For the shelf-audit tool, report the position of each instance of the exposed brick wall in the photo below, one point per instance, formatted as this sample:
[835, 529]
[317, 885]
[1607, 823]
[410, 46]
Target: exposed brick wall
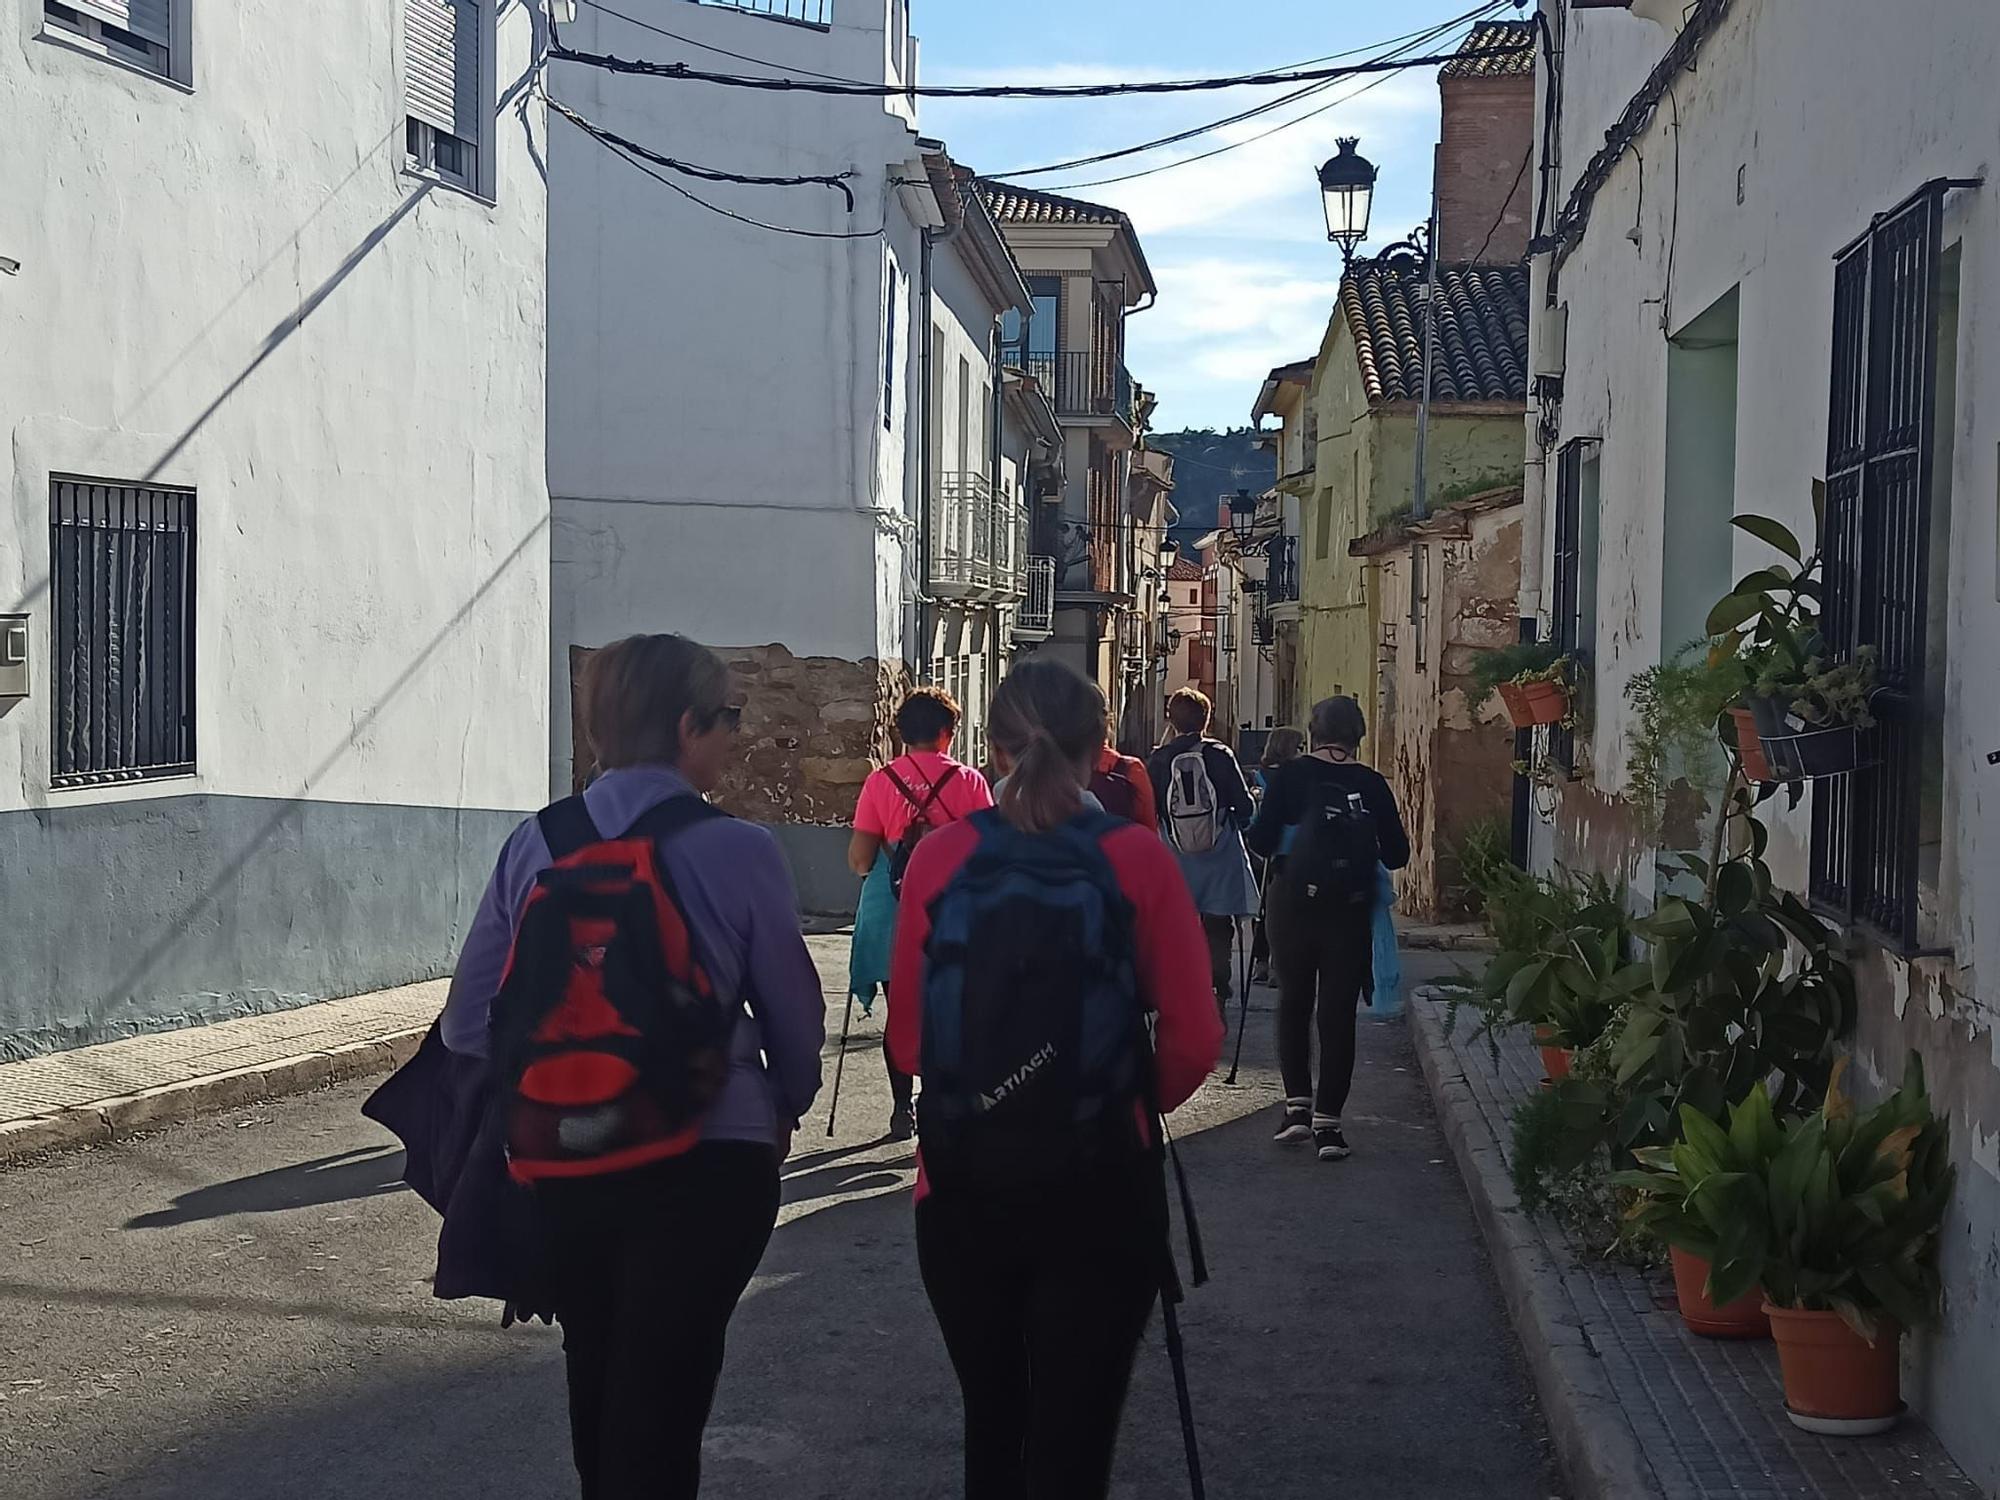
[1488, 132]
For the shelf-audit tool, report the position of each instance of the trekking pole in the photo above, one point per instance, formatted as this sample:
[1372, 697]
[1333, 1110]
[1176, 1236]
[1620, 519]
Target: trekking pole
[840, 1065]
[1243, 998]
[1177, 1357]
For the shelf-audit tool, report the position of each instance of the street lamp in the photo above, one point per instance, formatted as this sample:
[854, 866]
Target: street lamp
[1347, 183]
[1170, 551]
[1242, 514]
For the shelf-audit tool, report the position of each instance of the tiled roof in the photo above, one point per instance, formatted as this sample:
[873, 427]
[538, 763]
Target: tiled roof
[1482, 337]
[1019, 205]
[1491, 36]
[1184, 571]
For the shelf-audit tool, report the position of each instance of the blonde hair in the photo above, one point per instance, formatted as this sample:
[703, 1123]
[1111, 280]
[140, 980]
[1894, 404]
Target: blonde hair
[1283, 745]
[637, 691]
[1050, 721]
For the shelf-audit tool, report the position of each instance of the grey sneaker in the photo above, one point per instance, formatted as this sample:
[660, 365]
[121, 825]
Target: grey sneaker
[1297, 1128]
[1327, 1138]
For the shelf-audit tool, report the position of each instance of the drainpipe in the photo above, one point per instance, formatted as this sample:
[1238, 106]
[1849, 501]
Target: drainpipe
[1420, 499]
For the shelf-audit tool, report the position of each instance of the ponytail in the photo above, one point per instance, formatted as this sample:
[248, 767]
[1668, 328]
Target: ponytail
[1050, 721]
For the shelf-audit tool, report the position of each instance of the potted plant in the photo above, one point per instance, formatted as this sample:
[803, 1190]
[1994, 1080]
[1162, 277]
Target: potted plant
[1809, 709]
[1570, 976]
[1532, 678]
[1836, 1216]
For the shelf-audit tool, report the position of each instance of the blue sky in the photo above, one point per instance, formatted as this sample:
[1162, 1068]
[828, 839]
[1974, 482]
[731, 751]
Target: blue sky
[1238, 243]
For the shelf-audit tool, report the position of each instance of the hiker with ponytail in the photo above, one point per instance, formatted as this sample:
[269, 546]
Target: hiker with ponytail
[1036, 944]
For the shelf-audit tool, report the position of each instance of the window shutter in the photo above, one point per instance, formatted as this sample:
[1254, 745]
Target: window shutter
[441, 64]
[151, 19]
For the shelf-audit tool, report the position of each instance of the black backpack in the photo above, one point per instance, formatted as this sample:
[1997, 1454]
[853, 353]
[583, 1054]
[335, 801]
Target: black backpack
[1036, 1057]
[1334, 857]
[920, 824]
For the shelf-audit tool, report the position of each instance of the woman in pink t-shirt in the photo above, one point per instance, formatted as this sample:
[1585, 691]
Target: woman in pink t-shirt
[921, 789]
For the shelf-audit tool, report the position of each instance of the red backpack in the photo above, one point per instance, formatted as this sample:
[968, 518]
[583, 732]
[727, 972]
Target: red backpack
[609, 1041]
[1116, 791]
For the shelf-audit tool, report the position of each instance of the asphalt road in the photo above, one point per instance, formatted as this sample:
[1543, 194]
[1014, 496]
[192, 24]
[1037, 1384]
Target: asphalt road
[239, 1308]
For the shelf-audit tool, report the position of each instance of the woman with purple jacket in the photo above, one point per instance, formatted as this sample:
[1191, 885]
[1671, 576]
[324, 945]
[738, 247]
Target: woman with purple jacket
[645, 1267]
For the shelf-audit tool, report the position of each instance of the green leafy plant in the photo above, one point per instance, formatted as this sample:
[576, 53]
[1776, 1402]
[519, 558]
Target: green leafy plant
[1522, 662]
[1678, 708]
[1820, 692]
[1562, 963]
[1836, 1211]
[1483, 855]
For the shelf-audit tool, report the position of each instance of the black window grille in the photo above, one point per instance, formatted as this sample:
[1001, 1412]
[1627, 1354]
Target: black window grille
[122, 560]
[1566, 586]
[1876, 543]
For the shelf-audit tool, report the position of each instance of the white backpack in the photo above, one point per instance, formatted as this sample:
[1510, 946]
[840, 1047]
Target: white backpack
[1194, 812]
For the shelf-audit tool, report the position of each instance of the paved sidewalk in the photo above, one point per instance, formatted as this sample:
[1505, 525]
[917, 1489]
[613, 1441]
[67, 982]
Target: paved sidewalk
[1638, 1405]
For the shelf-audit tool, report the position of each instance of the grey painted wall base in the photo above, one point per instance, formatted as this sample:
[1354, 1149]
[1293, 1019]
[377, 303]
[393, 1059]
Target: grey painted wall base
[127, 917]
[118, 918]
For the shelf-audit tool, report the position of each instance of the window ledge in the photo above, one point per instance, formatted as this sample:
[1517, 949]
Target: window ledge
[83, 46]
[413, 173]
[119, 781]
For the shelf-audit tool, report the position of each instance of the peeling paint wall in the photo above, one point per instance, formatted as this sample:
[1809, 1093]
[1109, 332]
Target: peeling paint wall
[1753, 193]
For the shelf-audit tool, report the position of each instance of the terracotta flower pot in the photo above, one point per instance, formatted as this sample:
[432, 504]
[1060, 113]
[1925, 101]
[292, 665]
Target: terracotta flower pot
[1533, 703]
[1836, 1382]
[1557, 1060]
[1750, 746]
[1742, 1319]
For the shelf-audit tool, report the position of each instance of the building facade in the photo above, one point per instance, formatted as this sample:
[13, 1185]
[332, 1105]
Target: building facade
[737, 414]
[1085, 272]
[1287, 395]
[1811, 299]
[273, 552]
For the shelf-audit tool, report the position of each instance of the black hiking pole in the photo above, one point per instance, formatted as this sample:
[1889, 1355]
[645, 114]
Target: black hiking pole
[1243, 998]
[839, 1065]
[1177, 1357]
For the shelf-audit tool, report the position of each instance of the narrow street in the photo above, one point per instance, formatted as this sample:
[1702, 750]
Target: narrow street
[238, 1307]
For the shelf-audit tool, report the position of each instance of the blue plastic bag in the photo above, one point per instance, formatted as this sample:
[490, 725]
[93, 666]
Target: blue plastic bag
[1387, 1002]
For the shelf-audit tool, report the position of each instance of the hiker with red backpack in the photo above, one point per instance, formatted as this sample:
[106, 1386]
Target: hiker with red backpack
[901, 804]
[1048, 986]
[1123, 789]
[1204, 804]
[651, 1023]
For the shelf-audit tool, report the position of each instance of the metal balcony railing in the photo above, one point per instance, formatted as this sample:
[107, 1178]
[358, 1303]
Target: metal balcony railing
[1037, 616]
[979, 541]
[1282, 575]
[809, 12]
[1084, 384]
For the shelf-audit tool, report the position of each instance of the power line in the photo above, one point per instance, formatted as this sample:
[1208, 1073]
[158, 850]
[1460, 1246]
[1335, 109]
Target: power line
[1415, 38]
[681, 72]
[714, 208]
[1501, 217]
[762, 62]
[837, 181]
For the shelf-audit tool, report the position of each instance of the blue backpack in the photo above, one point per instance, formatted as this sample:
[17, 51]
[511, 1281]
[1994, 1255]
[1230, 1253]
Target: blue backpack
[1036, 1056]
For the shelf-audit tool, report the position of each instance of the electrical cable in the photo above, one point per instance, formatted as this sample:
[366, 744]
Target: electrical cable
[1415, 38]
[716, 208]
[836, 180]
[688, 41]
[681, 72]
[1501, 217]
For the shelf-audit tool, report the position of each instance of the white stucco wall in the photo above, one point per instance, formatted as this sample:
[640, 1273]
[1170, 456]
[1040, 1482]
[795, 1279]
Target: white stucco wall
[238, 288]
[718, 454]
[1852, 108]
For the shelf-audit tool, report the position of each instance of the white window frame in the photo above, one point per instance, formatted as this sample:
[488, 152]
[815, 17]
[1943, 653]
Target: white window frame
[88, 32]
[427, 146]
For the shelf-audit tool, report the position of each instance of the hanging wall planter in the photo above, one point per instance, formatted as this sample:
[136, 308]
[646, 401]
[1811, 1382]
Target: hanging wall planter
[1795, 750]
[1534, 703]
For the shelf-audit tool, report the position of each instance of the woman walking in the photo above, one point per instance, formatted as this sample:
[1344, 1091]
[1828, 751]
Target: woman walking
[1204, 805]
[1035, 945]
[645, 1264]
[1338, 820]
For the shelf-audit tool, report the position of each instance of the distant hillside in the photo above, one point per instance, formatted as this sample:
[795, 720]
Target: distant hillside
[1209, 466]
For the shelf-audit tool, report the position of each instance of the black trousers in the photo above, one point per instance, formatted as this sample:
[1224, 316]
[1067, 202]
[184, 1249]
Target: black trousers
[1324, 958]
[1042, 1301]
[902, 1086]
[649, 1267]
[1221, 935]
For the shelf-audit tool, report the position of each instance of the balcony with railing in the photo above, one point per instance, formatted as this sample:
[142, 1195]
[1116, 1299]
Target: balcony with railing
[1083, 384]
[1036, 619]
[979, 542]
[1281, 574]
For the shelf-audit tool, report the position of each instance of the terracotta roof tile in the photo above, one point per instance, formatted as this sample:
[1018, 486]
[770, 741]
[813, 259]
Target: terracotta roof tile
[1184, 571]
[1019, 205]
[1491, 36]
[1482, 329]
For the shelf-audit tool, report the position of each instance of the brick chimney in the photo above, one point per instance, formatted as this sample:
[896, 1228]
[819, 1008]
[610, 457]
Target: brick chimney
[1488, 133]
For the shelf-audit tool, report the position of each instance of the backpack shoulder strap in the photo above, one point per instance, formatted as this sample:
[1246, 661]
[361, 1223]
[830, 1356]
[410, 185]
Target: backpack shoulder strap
[676, 815]
[567, 826]
[921, 805]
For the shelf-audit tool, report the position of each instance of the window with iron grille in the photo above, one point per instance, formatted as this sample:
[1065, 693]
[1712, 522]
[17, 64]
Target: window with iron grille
[1877, 542]
[122, 567]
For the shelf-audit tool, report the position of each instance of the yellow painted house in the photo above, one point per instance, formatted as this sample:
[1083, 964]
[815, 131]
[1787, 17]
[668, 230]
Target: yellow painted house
[1367, 384]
